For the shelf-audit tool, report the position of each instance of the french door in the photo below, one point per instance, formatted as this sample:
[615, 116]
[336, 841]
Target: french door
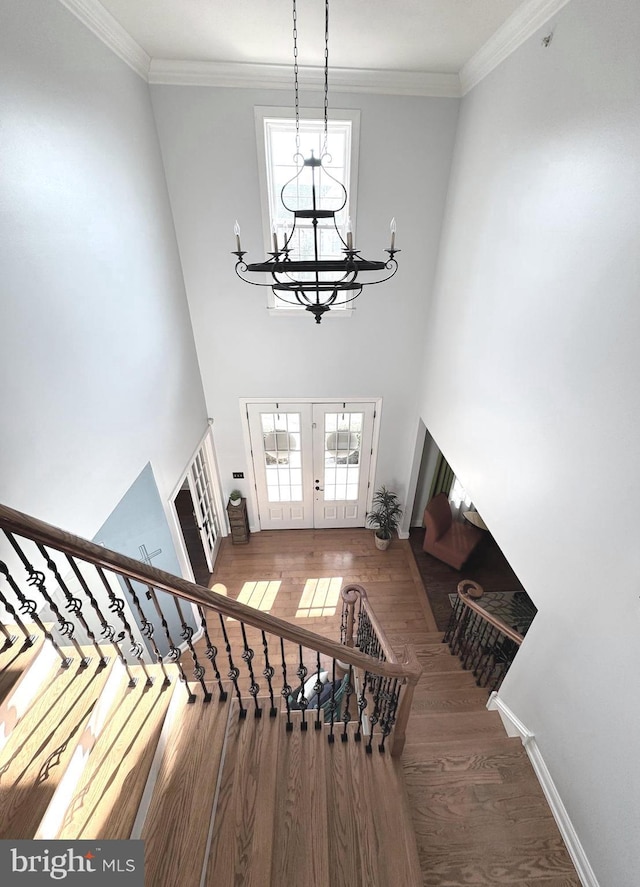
[201, 487]
[311, 463]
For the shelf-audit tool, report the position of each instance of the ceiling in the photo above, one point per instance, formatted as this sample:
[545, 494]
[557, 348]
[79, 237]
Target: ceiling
[414, 47]
[406, 35]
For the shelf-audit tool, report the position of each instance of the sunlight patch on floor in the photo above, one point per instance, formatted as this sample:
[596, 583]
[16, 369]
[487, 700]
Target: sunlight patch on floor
[260, 594]
[319, 597]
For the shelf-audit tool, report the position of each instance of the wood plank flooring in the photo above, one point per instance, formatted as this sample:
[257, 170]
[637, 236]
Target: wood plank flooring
[478, 811]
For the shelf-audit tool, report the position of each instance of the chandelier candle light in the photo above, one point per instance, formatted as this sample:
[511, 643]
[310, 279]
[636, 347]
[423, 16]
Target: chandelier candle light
[316, 284]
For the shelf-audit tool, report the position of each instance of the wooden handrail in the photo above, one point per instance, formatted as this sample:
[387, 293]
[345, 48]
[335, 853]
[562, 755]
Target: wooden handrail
[464, 589]
[40, 531]
[349, 594]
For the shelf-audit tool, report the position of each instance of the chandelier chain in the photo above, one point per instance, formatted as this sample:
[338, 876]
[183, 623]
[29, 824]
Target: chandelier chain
[295, 74]
[326, 74]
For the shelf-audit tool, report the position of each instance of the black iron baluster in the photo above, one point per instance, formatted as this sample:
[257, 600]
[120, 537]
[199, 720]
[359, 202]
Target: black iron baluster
[343, 622]
[287, 689]
[29, 638]
[374, 688]
[116, 605]
[247, 658]
[107, 630]
[303, 702]
[29, 607]
[74, 604]
[346, 717]
[388, 719]
[268, 673]
[35, 579]
[456, 612]
[456, 641]
[234, 671]
[212, 653]
[332, 704]
[362, 704]
[486, 666]
[147, 630]
[470, 638]
[317, 689]
[364, 630]
[473, 665]
[175, 656]
[187, 635]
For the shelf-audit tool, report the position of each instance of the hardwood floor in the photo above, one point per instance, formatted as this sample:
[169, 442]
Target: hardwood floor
[295, 559]
[478, 811]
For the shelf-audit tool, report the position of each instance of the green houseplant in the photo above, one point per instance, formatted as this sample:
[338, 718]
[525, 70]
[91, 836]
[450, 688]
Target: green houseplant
[235, 497]
[384, 516]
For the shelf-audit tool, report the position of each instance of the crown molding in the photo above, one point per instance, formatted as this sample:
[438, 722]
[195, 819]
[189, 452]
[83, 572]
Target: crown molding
[517, 28]
[524, 22]
[254, 76]
[95, 17]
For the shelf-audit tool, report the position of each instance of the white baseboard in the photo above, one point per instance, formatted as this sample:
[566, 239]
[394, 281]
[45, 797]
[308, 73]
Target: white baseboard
[514, 727]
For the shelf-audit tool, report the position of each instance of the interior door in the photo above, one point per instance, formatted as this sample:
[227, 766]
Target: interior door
[201, 488]
[342, 443]
[311, 463]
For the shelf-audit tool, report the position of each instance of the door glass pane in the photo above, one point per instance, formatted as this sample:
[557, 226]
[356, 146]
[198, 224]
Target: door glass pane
[281, 456]
[342, 437]
[203, 491]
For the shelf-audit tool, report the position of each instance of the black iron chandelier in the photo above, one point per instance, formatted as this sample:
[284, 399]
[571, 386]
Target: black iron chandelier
[314, 283]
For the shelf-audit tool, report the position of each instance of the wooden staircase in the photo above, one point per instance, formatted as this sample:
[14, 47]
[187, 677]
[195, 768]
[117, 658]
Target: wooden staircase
[105, 745]
[479, 814]
[218, 800]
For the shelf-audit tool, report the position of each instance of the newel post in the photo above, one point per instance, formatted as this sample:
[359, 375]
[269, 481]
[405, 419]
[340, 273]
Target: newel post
[399, 735]
[349, 596]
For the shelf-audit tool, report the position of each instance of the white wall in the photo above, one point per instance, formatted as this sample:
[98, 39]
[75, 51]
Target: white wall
[209, 149]
[539, 411]
[98, 372]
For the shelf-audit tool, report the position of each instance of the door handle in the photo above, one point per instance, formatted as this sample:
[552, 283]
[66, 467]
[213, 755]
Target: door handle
[320, 488]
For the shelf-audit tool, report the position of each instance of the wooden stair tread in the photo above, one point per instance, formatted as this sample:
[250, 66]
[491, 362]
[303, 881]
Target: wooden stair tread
[371, 838]
[478, 761]
[243, 833]
[301, 846]
[424, 728]
[177, 823]
[466, 699]
[436, 658]
[122, 755]
[483, 803]
[444, 680]
[414, 637]
[38, 750]
[541, 861]
[15, 660]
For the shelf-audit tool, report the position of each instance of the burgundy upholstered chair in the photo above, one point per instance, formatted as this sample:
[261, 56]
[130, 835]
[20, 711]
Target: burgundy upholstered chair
[448, 540]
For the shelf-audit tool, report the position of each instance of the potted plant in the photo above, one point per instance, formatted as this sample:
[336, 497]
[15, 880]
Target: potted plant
[235, 497]
[384, 516]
